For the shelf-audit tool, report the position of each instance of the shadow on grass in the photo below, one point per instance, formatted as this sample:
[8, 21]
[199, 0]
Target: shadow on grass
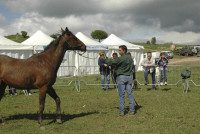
[65, 117]
[166, 89]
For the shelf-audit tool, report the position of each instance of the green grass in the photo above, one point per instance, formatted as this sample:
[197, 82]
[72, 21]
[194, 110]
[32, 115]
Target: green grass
[166, 110]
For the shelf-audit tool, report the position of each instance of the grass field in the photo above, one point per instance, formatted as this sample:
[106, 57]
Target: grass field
[167, 110]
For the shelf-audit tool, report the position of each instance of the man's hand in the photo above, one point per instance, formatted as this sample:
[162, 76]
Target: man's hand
[105, 65]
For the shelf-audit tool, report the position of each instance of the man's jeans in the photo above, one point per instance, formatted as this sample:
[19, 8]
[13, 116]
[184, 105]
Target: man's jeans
[146, 72]
[103, 77]
[125, 83]
[163, 74]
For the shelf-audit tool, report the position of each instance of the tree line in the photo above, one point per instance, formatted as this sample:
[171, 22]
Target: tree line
[96, 34]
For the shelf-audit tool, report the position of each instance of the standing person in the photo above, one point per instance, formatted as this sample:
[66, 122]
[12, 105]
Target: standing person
[124, 70]
[12, 89]
[134, 72]
[163, 61]
[149, 67]
[114, 70]
[104, 71]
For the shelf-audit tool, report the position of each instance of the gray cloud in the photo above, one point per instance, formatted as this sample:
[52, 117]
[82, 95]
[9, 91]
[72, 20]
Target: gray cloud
[125, 18]
[171, 15]
[177, 15]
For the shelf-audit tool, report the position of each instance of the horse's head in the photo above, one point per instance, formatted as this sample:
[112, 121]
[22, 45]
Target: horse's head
[71, 41]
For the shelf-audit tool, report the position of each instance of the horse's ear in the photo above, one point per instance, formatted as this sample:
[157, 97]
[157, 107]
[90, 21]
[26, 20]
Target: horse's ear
[66, 29]
[62, 30]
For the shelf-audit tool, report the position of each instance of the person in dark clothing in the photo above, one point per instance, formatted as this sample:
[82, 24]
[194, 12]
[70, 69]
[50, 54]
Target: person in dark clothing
[162, 63]
[124, 80]
[134, 72]
[104, 71]
[11, 89]
[114, 71]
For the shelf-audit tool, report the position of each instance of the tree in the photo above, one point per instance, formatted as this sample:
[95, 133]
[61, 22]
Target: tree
[99, 34]
[148, 42]
[153, 40]
[54, 36]
[24, 34]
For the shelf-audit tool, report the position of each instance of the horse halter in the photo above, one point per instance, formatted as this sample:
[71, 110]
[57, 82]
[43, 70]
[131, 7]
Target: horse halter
[72, 47]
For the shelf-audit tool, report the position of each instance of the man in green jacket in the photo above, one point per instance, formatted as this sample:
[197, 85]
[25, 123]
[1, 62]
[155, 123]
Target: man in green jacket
[124, 69]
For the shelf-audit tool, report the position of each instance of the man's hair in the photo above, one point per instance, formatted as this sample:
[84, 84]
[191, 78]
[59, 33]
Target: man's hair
[162, 54]
[148, 52]
[114, 54]
[124, 48]
[129, 53]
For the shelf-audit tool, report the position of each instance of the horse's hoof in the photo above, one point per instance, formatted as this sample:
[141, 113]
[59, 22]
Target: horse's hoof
[59, 121]
[42, 128]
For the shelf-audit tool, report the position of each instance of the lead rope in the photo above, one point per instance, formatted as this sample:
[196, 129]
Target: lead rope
[81, 54]
[85, 56]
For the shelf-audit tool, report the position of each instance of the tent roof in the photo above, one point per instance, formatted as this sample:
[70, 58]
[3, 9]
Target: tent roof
[114, 42]
[90, 43]
[6, 44]
[5, 41]
[39, 38]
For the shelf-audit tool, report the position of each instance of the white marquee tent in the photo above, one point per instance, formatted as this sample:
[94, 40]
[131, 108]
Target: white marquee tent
[136, 51]
[14, 49]
[90, 43]
[88, 62]
[38, 40]
[114, 42]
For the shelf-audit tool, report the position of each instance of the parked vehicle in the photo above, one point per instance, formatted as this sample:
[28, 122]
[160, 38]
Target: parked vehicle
[198, 52]
[168, 54]
[187, 51]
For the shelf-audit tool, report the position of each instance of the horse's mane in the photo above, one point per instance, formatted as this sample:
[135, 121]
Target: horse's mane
[53, 43]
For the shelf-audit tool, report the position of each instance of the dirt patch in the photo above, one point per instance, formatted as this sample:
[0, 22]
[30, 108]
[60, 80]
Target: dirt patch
[188, 60]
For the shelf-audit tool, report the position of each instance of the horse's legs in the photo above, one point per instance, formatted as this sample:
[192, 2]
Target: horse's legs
[42, 97]
[2, 92]
[53, 94]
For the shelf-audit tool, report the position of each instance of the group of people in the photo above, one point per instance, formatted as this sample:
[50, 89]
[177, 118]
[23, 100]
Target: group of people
[123, 74]
[106, 70]
[149, 64]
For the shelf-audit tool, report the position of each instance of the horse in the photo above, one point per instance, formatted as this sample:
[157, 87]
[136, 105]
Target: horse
[39, 71]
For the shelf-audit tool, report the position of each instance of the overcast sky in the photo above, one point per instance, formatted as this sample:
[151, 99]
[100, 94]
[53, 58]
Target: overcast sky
[176, 21]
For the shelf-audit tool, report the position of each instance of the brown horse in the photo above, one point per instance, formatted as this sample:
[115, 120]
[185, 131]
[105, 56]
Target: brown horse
[39, 71]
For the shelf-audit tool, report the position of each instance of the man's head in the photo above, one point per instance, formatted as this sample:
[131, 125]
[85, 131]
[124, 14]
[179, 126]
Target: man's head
[149, 55]
[122, 49]
[129, 54]
[102, 54]
[162, 55]
[114, 55]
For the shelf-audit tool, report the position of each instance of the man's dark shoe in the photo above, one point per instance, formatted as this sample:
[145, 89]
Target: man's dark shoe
[154, 88]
